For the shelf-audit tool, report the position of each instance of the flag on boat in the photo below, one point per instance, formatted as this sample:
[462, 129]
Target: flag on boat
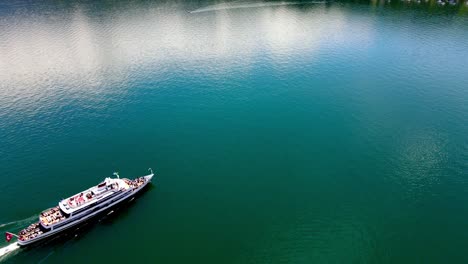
[8, 236]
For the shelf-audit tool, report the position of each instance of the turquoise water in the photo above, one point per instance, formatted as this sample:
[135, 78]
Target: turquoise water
[279, 132]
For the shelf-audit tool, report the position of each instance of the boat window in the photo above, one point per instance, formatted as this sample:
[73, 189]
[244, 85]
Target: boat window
[81, 210]
[62, 224]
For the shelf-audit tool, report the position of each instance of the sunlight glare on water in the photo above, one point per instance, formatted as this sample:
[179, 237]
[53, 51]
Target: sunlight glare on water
[281, 131]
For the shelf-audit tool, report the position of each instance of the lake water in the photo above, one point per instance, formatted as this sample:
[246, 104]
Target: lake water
[280, 132]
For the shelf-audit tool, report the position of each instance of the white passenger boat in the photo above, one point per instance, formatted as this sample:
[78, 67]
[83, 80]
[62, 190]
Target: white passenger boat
[81, 207]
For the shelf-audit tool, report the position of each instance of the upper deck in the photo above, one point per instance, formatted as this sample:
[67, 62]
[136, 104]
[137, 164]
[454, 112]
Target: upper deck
[92, 195]
[82, 201]
[70, 205]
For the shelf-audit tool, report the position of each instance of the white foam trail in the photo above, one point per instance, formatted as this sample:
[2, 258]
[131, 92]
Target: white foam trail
[7, 224]
[249, 5]
[8, 249]
[19, 221]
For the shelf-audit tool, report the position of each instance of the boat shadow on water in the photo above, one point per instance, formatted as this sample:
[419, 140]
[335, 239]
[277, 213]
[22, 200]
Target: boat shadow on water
[107, 217]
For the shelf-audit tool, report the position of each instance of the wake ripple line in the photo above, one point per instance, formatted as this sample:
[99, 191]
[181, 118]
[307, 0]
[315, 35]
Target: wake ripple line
[19, 221]
[253, 5]
[6, 250]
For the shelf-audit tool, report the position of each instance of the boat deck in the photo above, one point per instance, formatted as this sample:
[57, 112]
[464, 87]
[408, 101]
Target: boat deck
[92, 195]
[51, 216]
[30, 232]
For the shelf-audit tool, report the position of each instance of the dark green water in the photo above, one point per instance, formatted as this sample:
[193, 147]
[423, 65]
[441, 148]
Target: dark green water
[279, 133]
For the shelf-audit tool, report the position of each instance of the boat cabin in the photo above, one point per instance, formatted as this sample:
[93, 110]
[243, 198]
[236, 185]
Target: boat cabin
[81, 202]
[92, 195]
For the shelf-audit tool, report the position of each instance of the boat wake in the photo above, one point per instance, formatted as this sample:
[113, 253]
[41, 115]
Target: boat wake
[8, 249]
[20, 222]
[239, 5]
[13, 226]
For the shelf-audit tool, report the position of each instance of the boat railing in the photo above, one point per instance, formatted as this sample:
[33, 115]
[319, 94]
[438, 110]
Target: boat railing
[51, 216]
